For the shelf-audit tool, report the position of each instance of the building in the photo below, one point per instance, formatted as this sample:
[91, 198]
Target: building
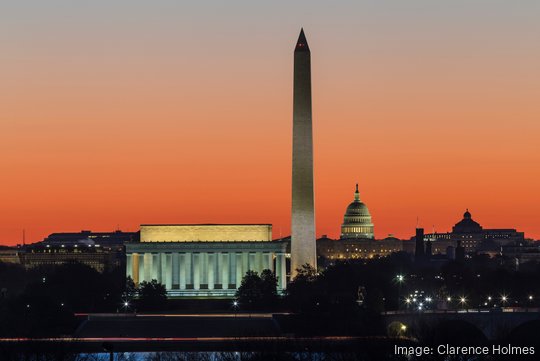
[357, 238]
[9, 254]
[103, 251]
[357, 220]
[474, 238]
[104, 258]
[356, 248]
[522, 252]
[89, 237]
[204, 260]
[303, 247]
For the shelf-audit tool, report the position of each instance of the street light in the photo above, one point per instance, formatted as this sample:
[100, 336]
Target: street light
[400, 278]
[462, 301]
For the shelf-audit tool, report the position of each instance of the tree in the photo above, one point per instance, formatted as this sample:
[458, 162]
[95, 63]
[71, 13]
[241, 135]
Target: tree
[152, 295]
[269, 284]
[130, 290]
[258, 292]
[303, 293]
[250, 294]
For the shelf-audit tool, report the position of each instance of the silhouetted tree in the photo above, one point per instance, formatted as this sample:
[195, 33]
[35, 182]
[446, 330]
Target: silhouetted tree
[130, 291]
[249, 294]
[258, 292]
[269, 284]
[303, 293]
[152, 295]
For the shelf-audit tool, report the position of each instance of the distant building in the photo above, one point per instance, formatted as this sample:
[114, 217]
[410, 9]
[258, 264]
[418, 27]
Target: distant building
[101, 258]
[101, 238]
[9, 254]
[103, 251]
[474, 238]
[522, 252]
[357, 248]
[204, 260]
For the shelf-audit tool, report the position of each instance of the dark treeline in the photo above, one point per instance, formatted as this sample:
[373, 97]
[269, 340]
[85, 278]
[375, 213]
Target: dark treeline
[345, 298]
[42, 302]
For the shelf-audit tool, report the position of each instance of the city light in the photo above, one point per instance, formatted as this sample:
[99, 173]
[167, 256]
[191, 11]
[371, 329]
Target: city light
[400, 278]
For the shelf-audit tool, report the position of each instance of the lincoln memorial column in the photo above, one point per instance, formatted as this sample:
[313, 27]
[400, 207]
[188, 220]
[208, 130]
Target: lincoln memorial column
[270, 261]
[175, 270]
[245, 266]
[156, 268]
[182, 258]
[281, 271]
[167, 277]
[135, 268]
[252, 263]
[211, 270]
[162, 267]
[129, 265]
[196, 271]
[265, 264]
[258, 262]
[189, 268]
[232, 268]
[239, 272]
[147, 267]
[224, 270]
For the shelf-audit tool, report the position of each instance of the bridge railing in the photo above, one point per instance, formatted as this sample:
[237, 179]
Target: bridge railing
[467, 310]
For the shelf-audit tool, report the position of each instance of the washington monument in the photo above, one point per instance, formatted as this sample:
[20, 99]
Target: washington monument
[303, 249]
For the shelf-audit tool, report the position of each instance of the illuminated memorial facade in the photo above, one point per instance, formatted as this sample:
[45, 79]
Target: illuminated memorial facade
[204, 260]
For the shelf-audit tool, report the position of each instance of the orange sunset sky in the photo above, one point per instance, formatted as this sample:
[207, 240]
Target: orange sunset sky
[113, 115]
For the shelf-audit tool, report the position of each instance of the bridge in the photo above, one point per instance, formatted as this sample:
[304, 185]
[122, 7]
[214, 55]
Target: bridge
[494, 324]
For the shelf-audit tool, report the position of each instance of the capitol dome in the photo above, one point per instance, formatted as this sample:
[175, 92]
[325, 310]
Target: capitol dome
[357, 220]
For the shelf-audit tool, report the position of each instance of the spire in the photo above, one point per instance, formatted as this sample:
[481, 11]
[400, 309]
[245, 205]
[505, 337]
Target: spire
[356, 194]
[301, 44]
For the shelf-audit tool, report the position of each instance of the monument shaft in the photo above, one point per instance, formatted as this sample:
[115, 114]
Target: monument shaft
[303, 247]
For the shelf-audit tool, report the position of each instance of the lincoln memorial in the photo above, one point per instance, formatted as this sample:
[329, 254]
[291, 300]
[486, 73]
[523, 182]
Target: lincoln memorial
[204, 260]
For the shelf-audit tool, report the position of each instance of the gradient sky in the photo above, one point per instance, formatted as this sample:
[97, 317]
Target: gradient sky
[117, 113]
